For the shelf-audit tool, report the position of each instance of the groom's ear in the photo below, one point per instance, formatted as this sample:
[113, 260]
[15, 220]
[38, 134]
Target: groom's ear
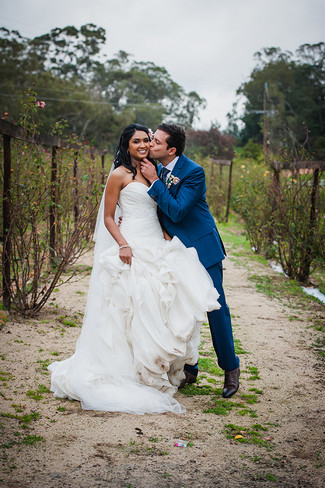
[172, 151]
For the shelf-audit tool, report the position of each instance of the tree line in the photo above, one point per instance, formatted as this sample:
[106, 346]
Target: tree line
[97, 96]
[284, 101]
[284, 97]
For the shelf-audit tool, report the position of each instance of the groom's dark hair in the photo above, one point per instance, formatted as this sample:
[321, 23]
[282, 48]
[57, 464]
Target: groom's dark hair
[176, 137]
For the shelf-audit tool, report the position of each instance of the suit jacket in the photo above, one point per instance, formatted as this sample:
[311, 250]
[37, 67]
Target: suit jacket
[184, 211]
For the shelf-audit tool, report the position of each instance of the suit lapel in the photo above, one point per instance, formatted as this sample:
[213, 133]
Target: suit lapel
[178, 166]
[177, 171]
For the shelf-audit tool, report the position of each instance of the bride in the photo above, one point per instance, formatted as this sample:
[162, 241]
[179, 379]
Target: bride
[147, 298]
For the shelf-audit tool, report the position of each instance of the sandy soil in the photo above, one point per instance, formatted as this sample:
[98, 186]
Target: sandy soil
[64, 446]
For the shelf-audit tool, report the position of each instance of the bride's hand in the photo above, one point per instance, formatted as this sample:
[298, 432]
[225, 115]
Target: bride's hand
[148, 170]
[126, 255]
[166, 235]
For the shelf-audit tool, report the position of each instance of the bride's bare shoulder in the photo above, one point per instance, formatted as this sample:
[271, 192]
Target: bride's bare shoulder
[118, 175]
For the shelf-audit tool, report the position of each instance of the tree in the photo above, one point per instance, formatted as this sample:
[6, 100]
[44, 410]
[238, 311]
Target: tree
[97, 97]
[286, 94]
[147, 89]
[209, 143]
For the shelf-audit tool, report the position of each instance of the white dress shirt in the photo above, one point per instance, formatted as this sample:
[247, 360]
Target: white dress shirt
[170, 166]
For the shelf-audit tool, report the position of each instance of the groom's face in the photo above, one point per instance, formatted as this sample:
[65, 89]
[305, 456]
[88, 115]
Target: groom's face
[158, 145]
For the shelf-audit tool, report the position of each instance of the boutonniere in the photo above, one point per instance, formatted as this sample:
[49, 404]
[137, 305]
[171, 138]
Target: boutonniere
[172, 180]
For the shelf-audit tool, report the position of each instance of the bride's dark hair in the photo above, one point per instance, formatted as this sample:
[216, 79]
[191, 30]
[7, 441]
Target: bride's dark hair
[122, 156]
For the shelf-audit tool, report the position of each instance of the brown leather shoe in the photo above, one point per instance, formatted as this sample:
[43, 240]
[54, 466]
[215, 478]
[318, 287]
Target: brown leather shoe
[189, 379]
[231, 384]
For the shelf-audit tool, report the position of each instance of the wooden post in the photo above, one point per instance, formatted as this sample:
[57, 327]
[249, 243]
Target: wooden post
[75, 187]
[276, 179]
[52, 206]
[103, 169]
[6, 222]
[229, 191]
[304, 274]
[313, 200]
[265, 124]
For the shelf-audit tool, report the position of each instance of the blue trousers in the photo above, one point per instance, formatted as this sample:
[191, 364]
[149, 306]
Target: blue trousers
[220, 327]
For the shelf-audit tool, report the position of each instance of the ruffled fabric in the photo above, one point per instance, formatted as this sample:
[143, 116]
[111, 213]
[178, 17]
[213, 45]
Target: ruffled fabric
[142, 321]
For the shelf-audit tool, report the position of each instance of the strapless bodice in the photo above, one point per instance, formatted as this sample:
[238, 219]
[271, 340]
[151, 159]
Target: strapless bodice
[139, 212]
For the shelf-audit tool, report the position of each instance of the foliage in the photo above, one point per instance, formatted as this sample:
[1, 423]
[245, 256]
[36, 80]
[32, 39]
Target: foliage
[97, 97]
[292, 91]
[209, 143]
[201, 145]
[251, 200]
[41, 248]
[252, 151]
[217, 181]
[279, 219]
[298, 231]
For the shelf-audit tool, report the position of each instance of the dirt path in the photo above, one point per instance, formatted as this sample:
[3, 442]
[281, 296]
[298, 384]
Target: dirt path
[279, 410]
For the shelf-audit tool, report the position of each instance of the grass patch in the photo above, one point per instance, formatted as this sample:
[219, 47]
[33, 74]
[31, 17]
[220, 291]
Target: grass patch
[266, 477]
[37, 394]
[208, 365]
[318, 324]
[264, 284]
[211, 380]
[30, 440]
[44, 363]
[250, 399]
[18, 408]
[197, 390]
[247, 411]
[293, 318]
[238, 347]
[70, 321]
[254, 375]
[5, 376]
[223, 406]
[319, 346]
[281, 287]
[24, 420]
[246, 435]
[218, 410]
[257, 391]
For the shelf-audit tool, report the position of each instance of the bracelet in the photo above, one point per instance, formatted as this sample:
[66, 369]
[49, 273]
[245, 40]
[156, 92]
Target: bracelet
[122, 247]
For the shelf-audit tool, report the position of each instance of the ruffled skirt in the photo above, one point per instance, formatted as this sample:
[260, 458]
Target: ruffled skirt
[140, 327]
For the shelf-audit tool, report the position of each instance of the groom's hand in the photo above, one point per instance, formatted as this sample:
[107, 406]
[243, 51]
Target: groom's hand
[148, 170]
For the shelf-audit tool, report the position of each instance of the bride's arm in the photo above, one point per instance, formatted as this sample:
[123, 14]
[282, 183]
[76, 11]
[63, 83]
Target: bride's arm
[113, 188]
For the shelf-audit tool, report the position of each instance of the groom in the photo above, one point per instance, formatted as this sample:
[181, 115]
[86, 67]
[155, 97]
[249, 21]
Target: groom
[180, 194]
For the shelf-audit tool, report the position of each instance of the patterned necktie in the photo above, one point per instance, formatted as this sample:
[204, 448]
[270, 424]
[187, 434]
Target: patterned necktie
[163, 174]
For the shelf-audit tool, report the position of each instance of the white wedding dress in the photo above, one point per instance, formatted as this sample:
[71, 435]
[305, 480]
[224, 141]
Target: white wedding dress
[141, 322]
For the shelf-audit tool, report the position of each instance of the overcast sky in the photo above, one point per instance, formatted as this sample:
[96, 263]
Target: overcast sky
[206, 45]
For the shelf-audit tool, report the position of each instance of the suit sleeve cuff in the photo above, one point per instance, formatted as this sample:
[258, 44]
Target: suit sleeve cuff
[153, 191]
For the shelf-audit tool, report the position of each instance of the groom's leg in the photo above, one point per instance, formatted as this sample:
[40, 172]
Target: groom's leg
[220, 325]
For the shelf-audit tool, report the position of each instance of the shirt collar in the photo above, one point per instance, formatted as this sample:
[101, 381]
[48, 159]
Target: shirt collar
[171, 165]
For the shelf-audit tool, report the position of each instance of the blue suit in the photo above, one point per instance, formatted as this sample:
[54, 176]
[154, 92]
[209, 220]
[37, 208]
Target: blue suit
[184, 213]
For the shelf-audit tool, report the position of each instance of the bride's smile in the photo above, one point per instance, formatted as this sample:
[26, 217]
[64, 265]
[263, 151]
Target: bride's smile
[139, 145]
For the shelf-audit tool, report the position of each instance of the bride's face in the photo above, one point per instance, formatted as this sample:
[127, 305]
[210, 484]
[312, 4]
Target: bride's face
[139, 145]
